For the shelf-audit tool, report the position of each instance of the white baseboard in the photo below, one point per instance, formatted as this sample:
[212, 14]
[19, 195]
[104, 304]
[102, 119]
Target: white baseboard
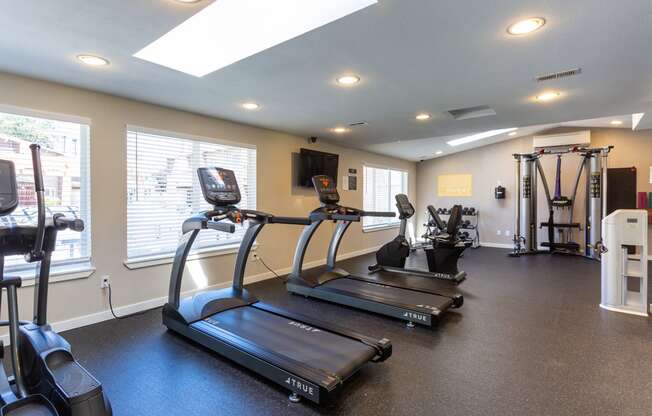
[106, 315]
[496, 245]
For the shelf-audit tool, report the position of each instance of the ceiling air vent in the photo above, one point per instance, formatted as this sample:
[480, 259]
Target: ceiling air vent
[559, 75]
[358, 124]
[472, 112]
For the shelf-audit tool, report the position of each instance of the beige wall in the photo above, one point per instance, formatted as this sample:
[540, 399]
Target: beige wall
[494, 163]
[109, 116]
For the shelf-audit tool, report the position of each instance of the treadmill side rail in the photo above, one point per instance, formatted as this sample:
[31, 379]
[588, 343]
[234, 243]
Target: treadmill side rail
[421, 316]
[204, 334]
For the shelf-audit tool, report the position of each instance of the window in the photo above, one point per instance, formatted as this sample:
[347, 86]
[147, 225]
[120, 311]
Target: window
[66, 167]
[380, 187]
[163, 190]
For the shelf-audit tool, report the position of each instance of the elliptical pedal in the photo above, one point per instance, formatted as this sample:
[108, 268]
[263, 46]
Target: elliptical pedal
[32, 405]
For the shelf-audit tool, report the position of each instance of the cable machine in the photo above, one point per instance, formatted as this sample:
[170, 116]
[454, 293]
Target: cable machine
[561, 231]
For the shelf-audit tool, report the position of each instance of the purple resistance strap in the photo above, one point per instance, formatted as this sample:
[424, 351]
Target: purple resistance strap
[558, 179]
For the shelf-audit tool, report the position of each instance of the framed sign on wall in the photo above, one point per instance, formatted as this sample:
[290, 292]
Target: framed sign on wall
[455, 185]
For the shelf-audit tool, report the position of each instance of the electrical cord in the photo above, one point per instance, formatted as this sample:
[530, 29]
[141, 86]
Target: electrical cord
[143, 312]
[113, 312]
[268, 268]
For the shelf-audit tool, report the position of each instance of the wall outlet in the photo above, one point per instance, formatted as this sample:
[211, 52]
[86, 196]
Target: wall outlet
[105, 281]
[498, 232]
[508, 233]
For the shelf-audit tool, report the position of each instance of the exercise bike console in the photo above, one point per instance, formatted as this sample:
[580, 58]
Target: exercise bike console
[405, 208]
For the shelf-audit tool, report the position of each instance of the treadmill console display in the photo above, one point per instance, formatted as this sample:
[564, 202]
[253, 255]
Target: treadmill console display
[326, 189]
[8, 188]
[404, 206]
[219, 186]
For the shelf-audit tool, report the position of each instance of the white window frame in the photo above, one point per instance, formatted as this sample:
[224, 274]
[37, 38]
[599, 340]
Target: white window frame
[391, 222]
[61, 270]
[205, 252]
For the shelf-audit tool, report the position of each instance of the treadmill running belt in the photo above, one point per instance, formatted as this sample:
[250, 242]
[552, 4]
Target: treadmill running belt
[359, 288]
[314, 347]
[407, 281]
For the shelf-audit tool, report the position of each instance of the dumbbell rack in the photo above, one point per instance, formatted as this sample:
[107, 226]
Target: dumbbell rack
[469, 226]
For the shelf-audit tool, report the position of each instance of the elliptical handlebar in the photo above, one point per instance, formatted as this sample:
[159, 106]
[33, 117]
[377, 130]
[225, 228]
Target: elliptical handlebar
[37, 251]
[63, 223]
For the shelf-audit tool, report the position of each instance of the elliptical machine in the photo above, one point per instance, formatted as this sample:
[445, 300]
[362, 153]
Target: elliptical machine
[44, 368]
[442, 255]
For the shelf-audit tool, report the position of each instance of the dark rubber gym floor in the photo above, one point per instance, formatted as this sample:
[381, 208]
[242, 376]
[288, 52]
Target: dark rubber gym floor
[530, 340]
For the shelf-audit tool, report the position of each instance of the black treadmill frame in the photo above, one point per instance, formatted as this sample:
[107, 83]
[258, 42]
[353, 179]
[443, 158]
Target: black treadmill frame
[180, 316]
[299, 284]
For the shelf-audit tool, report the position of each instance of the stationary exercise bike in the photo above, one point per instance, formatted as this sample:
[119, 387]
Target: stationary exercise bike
[46, 379]
[442, 254]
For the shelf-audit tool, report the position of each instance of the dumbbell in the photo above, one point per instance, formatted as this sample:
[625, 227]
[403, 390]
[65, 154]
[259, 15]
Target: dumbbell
[464, 235]
[465, 223]
[440, 210]
[465, 211]
[471, 211]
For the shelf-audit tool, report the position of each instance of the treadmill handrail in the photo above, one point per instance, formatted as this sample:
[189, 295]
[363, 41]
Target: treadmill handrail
[222, 219]
[387, 214]
[207, 220]
[290, 220]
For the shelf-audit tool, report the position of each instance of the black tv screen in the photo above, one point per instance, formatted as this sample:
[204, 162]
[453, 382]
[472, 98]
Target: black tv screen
[316, 163]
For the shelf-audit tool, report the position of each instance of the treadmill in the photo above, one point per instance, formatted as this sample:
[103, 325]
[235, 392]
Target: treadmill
[309, 357]
[362, 291]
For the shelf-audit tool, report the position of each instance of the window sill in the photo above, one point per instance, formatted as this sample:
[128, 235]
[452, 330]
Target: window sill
[153, 261]
[383, 227]
[57, 274]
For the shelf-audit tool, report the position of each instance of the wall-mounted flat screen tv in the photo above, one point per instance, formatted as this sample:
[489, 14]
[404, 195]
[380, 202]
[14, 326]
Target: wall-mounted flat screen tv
[314, 163]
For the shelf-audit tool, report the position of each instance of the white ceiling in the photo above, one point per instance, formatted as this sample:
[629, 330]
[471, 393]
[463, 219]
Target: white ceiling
[424, 149]
[413, 56]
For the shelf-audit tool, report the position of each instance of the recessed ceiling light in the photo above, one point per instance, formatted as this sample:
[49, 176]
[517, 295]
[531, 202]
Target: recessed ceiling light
[423, 117]
[616, 122]
[228, 31]
[250, 106]
[526, 26]
[513, 133]
[93, 60]
[548, 96]
[348, 80]
[340, 130]
[479, 136]
[439, 152]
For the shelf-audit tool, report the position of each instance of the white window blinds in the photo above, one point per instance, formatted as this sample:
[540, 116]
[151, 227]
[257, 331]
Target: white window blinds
[66, 164]
[163, 189]
[381, 185]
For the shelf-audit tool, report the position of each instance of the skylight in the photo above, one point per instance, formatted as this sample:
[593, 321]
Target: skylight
[636, 118]
[228, 31]
[479, 136]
